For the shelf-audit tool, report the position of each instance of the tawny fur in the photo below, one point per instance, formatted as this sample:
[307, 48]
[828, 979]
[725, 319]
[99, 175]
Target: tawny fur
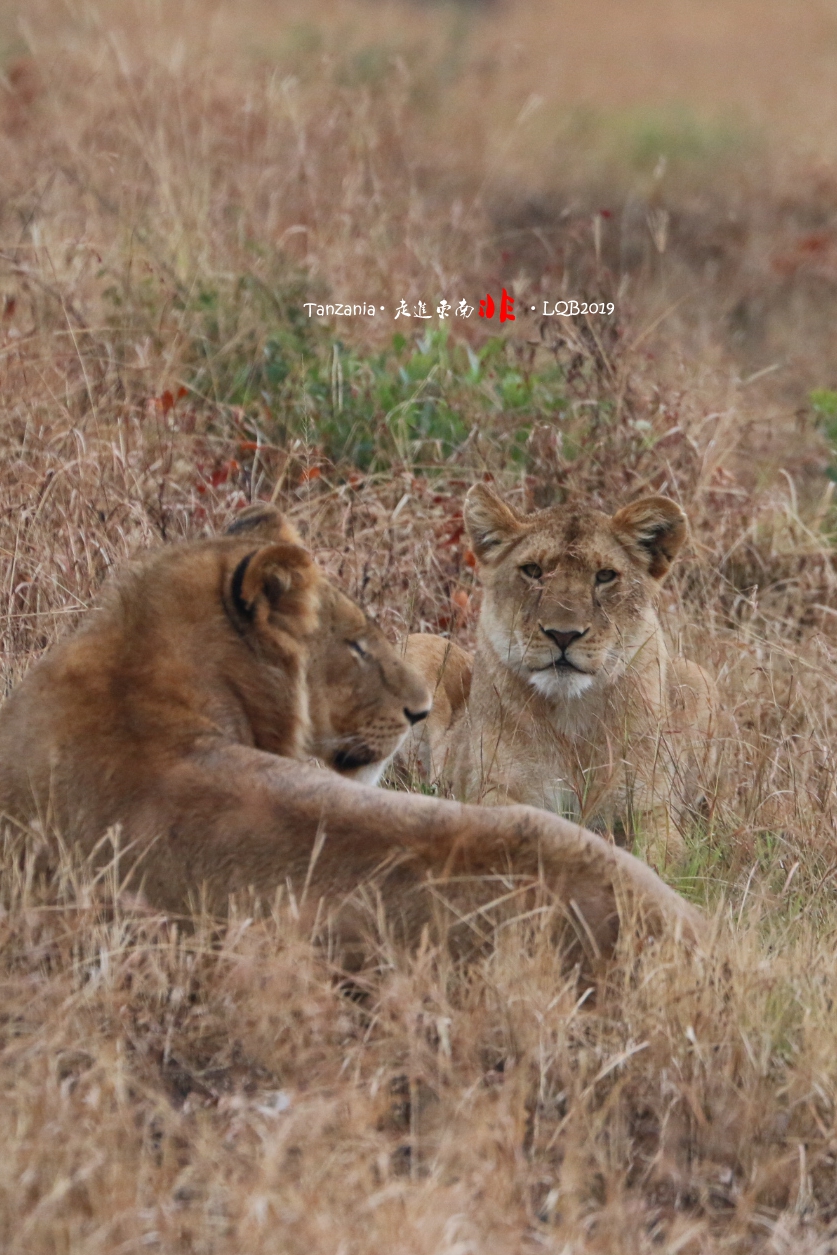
[575, 704]
[447, 668]
[181, 709]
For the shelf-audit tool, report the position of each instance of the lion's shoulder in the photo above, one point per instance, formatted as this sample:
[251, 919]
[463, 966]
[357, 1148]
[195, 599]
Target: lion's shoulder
[189, 643]
[447, 669]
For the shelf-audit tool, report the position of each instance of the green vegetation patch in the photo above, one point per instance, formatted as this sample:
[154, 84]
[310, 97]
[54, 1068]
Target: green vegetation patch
[678, 136]
[622, 145]
[416, 401]
[824, 407]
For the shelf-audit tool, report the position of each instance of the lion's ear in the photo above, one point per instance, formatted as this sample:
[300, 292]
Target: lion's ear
[263, 522]
[654, 529]
[276, 582]
[489, 522]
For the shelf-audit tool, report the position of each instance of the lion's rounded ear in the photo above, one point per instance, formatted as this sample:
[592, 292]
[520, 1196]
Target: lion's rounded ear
[489, 522]
[276, 579]
[263, 522]
[654, 529]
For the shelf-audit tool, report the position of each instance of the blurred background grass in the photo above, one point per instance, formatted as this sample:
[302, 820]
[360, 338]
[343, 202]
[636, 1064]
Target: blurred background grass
[186, 175]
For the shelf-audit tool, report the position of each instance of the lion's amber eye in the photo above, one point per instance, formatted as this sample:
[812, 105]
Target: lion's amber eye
[606, 576]
[532, 571]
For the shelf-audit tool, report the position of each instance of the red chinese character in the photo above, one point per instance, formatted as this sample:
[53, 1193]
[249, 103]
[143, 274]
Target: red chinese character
[487, 307]
[507, 307]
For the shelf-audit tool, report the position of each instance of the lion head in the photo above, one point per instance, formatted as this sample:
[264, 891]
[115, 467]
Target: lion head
[362, 698]
[569, 591]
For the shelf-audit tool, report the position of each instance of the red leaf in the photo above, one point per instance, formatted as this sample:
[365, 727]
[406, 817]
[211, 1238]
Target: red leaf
[222, 473]
[816, 242]
[454, 535]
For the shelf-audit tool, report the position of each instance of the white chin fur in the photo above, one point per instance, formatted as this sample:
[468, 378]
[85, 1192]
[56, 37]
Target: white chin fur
[371, 774]
[560, 684]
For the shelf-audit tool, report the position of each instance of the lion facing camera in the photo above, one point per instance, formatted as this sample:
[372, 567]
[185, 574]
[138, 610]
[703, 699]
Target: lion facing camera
[572, 701]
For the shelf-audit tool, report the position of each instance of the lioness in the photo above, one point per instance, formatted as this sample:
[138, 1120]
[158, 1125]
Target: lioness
[181, 709]
[572, 702]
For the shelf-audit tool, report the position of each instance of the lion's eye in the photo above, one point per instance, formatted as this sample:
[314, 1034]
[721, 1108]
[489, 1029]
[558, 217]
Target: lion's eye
[606, 577]
[357, 649]
[532, 571]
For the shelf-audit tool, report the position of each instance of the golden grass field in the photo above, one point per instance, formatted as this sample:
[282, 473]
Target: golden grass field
[176, 179]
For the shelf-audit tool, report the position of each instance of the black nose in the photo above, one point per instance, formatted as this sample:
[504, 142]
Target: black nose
[415, 716]
[562, 639]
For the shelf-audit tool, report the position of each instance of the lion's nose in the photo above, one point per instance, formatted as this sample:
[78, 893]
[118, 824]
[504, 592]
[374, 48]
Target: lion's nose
[562, 639]
[416, 716]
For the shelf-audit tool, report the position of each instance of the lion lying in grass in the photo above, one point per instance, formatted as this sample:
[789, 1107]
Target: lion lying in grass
[571, 702]
[182, 710]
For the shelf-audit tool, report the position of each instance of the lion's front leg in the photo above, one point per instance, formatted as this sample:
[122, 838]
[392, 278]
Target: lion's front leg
[643, 820]
[238, 820]
[629, 796]
[652, 835]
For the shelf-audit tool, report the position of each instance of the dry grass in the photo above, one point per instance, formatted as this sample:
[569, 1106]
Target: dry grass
[175, 180]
